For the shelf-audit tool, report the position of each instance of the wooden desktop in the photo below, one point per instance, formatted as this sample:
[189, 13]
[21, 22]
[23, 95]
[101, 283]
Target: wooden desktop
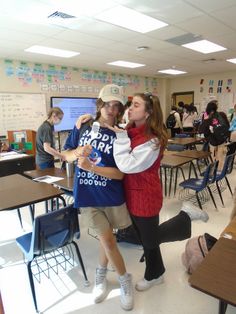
[216, 275]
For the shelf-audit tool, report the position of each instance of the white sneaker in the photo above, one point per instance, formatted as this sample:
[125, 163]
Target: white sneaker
[126, 292]
[194, 212]
[100, 288]
[144, 284]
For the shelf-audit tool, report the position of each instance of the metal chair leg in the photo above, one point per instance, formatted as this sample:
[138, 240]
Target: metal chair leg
[220, 194]
[81, 262]
[31, 280]
[20, 218]
[213, 200]
[227, 181]
[198, 200]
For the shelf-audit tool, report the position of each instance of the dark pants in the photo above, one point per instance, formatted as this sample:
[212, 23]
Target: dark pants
[47, 164]
[175, 131]
[152, 234]
[189, 131]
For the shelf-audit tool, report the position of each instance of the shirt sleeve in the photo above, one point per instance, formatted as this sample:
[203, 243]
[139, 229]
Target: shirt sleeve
[72, 139]
[137, 160]
[178, 120]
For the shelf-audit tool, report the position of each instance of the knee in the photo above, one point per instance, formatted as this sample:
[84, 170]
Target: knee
[109, 244]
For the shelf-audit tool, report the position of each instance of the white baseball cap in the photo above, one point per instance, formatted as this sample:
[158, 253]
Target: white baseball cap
[112, 92]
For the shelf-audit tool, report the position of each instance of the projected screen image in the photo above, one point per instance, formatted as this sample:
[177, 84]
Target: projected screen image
[73, 107]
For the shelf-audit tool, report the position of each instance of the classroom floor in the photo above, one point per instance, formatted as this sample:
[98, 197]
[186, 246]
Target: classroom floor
[66, 294]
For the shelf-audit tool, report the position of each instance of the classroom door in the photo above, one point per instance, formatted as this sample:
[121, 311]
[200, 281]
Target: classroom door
[185, 97]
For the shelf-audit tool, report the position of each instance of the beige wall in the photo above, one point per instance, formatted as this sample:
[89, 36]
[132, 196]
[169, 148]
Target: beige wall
[55, 80]
[201, 91]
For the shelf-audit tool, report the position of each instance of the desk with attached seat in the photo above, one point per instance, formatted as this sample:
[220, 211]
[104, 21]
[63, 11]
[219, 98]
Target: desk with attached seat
[65, 184]
[18, 191]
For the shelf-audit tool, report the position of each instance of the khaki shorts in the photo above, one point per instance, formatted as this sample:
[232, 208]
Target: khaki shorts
[100, 219]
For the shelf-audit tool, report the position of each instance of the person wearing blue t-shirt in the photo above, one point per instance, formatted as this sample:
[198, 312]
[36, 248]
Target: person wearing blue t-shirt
[98, 189]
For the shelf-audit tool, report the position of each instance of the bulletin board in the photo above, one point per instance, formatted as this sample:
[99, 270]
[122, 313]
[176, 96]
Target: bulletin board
[21, 111]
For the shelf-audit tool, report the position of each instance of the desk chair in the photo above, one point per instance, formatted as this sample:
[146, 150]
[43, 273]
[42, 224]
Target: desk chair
[222, 176]
[200, 185]
[182, 135]
[51, 232]
[175, 147]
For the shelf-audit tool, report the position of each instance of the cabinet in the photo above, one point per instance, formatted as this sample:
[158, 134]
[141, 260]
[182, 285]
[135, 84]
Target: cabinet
[23, 140]
[16, 165]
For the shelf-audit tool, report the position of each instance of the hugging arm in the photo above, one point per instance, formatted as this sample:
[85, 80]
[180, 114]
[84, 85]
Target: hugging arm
[137, 160]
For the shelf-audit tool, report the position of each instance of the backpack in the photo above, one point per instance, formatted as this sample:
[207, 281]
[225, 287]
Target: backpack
[220, 130]
[171, 121]
[128, 235]
[196, 249]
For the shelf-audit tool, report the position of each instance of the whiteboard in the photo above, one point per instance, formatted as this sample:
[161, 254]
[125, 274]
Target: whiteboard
[21, 111]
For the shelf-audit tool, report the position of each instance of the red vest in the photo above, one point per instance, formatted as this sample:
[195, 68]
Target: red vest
[143, 190]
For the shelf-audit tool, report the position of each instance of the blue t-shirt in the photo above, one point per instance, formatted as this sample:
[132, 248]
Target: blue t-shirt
[92, 190]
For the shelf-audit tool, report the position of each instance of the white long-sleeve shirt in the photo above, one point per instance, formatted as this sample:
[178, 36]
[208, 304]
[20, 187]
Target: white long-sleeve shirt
[137, 160]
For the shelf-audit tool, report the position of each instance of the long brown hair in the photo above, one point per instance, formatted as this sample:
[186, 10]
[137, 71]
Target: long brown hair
[154, 122]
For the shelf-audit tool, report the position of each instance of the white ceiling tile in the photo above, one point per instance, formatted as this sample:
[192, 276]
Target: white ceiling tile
[211, 5]
[100, 42]
[204, 26]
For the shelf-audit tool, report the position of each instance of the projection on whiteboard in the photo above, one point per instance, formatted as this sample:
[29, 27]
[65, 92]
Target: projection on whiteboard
[73, 107]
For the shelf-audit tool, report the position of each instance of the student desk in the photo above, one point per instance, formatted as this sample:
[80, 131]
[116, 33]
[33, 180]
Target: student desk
[11, 163]
[18, 191]
[196, 154]
[173, 162]
[216, 275]
[186, 141]
[65, 184]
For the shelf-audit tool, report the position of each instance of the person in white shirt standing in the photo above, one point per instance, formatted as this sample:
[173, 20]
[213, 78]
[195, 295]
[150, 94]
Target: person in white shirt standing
[178, 124]
[188, 118]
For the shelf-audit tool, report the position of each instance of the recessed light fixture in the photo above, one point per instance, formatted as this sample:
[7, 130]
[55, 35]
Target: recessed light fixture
[204, 46]
[52, 51]
[172, 71]
[130, 19]
[141, 48]
[232, 60]
[126, 64]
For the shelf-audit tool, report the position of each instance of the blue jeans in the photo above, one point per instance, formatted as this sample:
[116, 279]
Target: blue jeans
[47, 164]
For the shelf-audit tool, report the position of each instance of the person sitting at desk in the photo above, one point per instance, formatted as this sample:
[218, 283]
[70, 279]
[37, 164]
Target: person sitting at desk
[45, 147]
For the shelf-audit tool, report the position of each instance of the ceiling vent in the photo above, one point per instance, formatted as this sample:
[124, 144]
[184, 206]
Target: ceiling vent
[60, 15]
[184, 39]
[211, 60]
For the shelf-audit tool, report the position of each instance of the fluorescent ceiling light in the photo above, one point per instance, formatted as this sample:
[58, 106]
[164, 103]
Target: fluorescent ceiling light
[126, 64]
[130, 19]
[172, 71]
[52, 51]
[232, 60]
[204, 46]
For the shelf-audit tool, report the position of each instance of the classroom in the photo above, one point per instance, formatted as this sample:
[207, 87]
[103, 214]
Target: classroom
[156, 59]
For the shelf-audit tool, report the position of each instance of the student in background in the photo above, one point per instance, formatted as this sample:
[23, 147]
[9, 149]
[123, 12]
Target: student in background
[180, 109]
[189, 116]
[45, 142]
[98, 190]
[209, 126]
[125, 118]
[178, 124]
